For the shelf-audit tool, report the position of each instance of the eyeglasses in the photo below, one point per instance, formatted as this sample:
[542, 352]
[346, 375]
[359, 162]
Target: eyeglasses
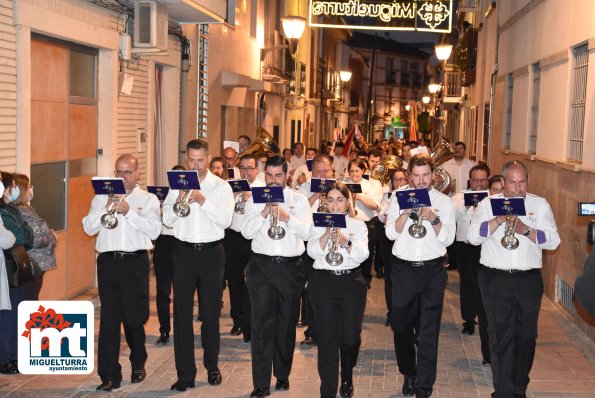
[124, 173]
[248, 168]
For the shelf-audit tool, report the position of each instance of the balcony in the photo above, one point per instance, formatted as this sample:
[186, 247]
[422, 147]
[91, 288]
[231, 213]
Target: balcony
[275, 62]
[452, 86]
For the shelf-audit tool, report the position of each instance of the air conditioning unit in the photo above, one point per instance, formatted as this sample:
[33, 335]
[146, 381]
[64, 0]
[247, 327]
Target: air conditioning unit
[150, 27]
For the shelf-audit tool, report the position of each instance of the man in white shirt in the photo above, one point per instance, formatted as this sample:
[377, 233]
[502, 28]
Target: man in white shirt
[340, 162]
[123, 272]
[199, 260]
[230, 155]
[238, 252]
[419, 279]
[459, 167]
[297, 159]
[375, 157]
[302, 174]
[510, 280]
[275, 280]
[467, 257]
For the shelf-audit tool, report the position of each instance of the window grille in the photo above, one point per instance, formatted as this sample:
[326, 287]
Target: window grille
[534, 108]
[580, 57]
[203, 80]
[508, 111]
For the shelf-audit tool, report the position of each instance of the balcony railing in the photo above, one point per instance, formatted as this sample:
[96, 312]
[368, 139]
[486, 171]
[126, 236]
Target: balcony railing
[452, 84]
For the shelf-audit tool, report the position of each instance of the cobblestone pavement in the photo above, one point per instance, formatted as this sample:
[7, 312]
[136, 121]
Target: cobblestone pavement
[564, 364]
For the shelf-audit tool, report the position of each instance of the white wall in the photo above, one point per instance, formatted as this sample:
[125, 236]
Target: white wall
[520, 108]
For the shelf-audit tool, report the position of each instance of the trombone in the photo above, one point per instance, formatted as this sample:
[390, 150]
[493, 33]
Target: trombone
[109, 220]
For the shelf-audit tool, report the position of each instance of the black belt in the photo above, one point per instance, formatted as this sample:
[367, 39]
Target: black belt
[116, 254]
[202, 246]
[338, 272]
[425, 263]
[277, 259]
[514, 271]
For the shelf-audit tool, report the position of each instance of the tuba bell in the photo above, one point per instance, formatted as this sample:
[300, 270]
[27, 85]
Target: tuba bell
[442, 181]
[381, 171]
[264, 142]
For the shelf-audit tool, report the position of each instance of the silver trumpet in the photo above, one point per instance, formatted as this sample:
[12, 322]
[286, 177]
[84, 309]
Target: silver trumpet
[509, 241]
[182, 207]
[322, 207]
[240, 204]
[417, 230]
[275, 232]
[333, 257]
[109, 220]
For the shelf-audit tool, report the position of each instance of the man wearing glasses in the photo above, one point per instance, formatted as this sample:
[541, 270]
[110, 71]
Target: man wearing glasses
[237, 253]
[230, 155]
[123, 273]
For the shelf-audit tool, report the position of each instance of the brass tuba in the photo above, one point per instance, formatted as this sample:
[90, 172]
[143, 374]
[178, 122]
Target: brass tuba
[264, 142]
[442, 181]
[381, 171]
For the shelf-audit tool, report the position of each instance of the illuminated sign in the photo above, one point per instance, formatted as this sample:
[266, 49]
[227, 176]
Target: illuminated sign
[416, 15]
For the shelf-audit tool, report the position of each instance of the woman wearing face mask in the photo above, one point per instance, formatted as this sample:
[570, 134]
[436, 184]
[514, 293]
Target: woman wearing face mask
[338, 294]
[13, 221]
[366, 205]
[44, 238]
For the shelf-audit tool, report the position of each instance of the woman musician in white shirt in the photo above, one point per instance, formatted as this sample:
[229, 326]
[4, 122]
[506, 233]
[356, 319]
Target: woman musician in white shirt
[338, 293]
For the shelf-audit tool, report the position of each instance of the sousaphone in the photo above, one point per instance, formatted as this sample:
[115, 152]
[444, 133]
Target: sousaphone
[264, 142]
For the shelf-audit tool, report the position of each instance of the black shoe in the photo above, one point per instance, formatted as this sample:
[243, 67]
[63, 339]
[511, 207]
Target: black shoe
[468, 329]
[182, 385]
[346, 389]
[408, 386]
[369, 285]
[308, 340]
[235, 330]
[215, 378]
[421, 394]
[138, 375]
[387, 322]
[282, 385]
[247, 336]
[260, 392]
[486, 362]
[520, 396]
[107, 386]
[9, 367]
[163, 338]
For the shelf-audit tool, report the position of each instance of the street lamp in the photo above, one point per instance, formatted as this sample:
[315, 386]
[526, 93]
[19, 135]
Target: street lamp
[425, 99]
[345, 75]
[443, 51]
[433, 88]
[293, 27]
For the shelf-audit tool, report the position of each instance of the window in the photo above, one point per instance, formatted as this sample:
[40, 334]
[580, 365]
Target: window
[203, 80]
[508, 111]
[231, 12]
[253, 17]
[83, 72]
[534, 108]
[580, 56]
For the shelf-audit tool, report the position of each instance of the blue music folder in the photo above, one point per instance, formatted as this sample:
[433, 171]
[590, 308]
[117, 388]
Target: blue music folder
[239, 185]
[327, 220]
[320, 184]
[354, 188]
[366, 177]
[183, 179]
[268, 194]
[309, 164]
[413, 198]
[472, 198]
[508, 206]
[231, 173]
[108, 186]
[160, 192]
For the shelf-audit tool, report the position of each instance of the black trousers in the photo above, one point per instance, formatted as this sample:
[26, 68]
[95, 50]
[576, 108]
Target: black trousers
[417, 292]
[380, 236]
[237, 254]
[204, 268]
[470, 297]
[366, 266]
[339, 303]
[512, 303]
[124, 294]
[306, 304]
[385, 247]
[163, 263]
[274, 291]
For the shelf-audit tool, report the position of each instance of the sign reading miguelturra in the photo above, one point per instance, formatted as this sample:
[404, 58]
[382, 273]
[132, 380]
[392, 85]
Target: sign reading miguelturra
[420, 15]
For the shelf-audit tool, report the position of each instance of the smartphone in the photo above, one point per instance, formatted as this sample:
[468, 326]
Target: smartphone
[586, 208]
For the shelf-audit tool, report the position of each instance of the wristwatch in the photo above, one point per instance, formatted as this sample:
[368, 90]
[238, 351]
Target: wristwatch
[528, 231]
[436, 221]
[347, 245]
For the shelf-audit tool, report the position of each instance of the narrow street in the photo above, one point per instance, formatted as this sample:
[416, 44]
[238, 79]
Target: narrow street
[564, 364]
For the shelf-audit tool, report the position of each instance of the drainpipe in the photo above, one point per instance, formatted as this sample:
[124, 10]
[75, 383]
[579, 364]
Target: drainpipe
[184, 68]
[493, 89]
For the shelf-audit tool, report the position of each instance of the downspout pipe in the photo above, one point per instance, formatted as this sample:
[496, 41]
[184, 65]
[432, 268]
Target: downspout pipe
[493, 88]
[184, 68]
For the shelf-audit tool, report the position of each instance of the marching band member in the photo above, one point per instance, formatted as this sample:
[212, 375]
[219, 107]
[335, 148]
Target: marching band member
[510, 280]
[274, 278]
[419, 279]
[123, 273]
[338, 294]
[238, 252]
[340, 162]
[366, 205]
[375, 157]
[302, 174]
[198, 259]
